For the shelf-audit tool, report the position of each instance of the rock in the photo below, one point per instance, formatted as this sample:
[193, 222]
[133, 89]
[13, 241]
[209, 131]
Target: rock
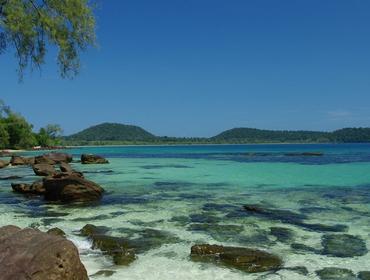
[343, 245]
[293, 218]
[116, 247]
[71, 188]
[53, 158]
[105, 273]
[29, 254]
[364, 275]
[297, 269]
[65, 167]
[219, 232]
[17, 160]
[151, 239]
[245, 259]
[334, 273]
[275, 214]
[56, 231]
[284, 235]
[3, 163]
[43, 169]
[36, 188]
[93, 159]
[11, 177]
[304, 248]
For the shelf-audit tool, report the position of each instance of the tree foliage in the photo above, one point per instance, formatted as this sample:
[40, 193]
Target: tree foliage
[16, 132]
[29, 26]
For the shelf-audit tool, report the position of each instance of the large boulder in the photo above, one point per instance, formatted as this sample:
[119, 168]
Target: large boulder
[93, 159]
[245, 259]
[37, 188]
[71, 188]
[29, 254]
[53, 158]
[3, 163]
[18, 160]
[44, 169]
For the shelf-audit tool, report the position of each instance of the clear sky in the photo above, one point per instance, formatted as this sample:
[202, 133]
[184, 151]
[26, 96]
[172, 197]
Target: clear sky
[197, 67]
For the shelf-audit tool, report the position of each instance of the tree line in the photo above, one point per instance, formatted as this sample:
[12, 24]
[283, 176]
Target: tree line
[17, 133]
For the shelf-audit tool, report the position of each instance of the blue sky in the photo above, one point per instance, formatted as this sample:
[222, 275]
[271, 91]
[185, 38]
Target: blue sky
[197, 67]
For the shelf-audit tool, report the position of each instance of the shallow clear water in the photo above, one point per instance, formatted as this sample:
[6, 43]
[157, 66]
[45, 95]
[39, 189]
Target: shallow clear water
[183, 189]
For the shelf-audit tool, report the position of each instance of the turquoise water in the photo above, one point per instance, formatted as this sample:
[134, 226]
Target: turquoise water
[192, 191]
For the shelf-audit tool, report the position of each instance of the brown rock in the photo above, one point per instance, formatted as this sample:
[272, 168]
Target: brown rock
[53, 158]
[245, 259]
[56, 231]
[71, 188]
[93, 159]
[29, 254]
[18, 160]
[43, 169]
[3, 163]
[36, 188]
[65, 167]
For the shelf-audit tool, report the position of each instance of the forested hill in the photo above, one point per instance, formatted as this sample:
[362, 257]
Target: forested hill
[252, 135]
[112, 132]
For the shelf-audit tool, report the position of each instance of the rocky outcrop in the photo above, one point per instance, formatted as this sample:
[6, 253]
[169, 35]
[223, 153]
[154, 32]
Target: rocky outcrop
[3, 163]
[44, 169]
[245, 259]
[18, 160]
[93, 159]
[37, 188]
[29, 254]
[71, 188]
[53, 158]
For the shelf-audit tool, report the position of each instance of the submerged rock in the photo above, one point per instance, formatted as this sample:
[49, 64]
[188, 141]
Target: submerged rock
[105, 273]
[34, 255]
[93, 159]
[293, 218]
[284, 235]
[275, 214]
[116, 247]
[43, 169]
[364, 275]
[71, 188]
[245, 259]
[123, 250]
[18, 160]
[297, 269]
[304, 248]
[343, 245]
[36, 188]
[3, 163]
[219, 232]
[334, 273]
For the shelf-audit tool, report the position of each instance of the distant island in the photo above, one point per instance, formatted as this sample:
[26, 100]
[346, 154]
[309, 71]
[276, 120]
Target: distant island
[121, 134]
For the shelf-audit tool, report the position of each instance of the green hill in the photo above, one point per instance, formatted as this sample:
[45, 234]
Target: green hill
[112, 132]
[252, 135]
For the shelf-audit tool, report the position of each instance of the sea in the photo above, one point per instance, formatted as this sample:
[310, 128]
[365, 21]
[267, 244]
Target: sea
[195, 194]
